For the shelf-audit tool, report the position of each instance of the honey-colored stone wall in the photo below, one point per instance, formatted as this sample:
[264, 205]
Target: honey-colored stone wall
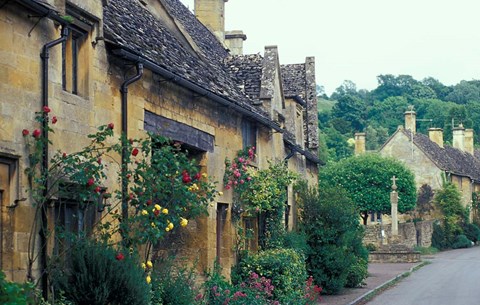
[98, 103]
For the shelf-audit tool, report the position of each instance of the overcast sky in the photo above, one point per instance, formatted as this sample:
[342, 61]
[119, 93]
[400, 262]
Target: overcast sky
[359, 39]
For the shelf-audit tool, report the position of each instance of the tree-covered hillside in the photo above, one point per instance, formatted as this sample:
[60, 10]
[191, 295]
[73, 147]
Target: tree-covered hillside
[379, 112]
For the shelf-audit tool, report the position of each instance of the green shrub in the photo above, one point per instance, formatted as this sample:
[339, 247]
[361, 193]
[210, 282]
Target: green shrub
[438, 237]
[254, 291]
[15, 293]
[297, 241]
[97, 274]
[330, 220]
[285, 268]
[172, 284]
[357, 273]
[461, 241]
[472, 232]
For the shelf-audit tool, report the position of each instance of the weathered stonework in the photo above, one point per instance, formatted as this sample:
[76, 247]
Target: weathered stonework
[215, 129]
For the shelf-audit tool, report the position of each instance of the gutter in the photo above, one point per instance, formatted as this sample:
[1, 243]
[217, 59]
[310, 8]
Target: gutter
[295, 148]
[195, 88]
[43, 10]
[124, 93]
[45, 55]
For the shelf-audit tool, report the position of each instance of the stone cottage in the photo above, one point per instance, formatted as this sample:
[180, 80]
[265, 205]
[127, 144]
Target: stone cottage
[145, 65]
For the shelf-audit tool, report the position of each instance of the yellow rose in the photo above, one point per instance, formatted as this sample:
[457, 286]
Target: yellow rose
[167, 229]
[204, 175]
[148, 279]
[157, 207]
[153, 225]
[165, 211]
[149, 264]
[144, 266]
[220, 193]
[170, 226]
[144, 212]
[183, 222]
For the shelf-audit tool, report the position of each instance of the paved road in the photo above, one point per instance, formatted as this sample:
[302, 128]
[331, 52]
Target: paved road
[453, 278]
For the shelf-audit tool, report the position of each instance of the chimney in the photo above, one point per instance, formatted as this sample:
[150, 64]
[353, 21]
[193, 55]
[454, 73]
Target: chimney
[234, 41]
[436, 135]
[212, 14]
[459, 137]
[469, 141]
[410, 121]
[359, 143]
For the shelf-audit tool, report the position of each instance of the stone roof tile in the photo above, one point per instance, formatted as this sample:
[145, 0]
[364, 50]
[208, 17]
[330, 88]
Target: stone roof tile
[130, 26]
[294, 80]
[448, 158]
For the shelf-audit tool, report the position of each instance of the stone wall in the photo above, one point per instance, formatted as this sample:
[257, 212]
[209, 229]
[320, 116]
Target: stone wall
[410, 234]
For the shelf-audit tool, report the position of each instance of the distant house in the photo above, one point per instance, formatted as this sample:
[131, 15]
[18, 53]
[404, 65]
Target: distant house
[430, 160]
[147, 65]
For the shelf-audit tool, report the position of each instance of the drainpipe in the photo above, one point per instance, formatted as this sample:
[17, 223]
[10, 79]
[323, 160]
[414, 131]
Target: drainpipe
[44, 169]
[124, 93]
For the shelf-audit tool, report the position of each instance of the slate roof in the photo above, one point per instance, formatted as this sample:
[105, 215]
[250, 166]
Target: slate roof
[247, 69]
[294, 78]
[129, 25]
[448, 158]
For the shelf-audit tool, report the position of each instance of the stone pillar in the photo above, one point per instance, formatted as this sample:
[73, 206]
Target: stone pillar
[394, 208]
[234, 41]
[436, 135]
[468, 143]
[411, 121]
[212, 14]
[459, 137]
[360, 143]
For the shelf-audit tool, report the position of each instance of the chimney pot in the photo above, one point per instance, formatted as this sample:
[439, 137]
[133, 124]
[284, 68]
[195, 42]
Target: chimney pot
[410, 121]
[436, 135]
[360, 143]
[459, 137]
[469, 141]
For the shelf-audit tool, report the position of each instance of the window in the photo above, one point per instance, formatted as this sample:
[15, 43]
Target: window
[221, 220]
[75, 51]
[249, 134]
[73, 217]
[250, 226]
[8, 176]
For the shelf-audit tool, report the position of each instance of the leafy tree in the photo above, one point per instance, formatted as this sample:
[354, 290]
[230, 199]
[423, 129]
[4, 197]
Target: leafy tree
[337, 145]
[367, 180]
[441, 91]
[455, 215]
[351, 109]
[388, 113]
[336, 257]
[376, 136]
[346, 88]
[464, 92]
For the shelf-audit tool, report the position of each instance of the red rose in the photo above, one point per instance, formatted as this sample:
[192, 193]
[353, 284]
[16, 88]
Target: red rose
[120, 256]
[99, 160]
[128, 176]
[186, 178]
[156, 212]
[54, 120]
[90, 182]
[149, 202]
[110, 126]
[25, 132]
[97, 189]
[46, 109]
[36, 133]
[64, 155]
[135, 152]
[197, 176]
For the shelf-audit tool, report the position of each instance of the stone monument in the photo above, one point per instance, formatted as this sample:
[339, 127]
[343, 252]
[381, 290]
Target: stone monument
[394, 208]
